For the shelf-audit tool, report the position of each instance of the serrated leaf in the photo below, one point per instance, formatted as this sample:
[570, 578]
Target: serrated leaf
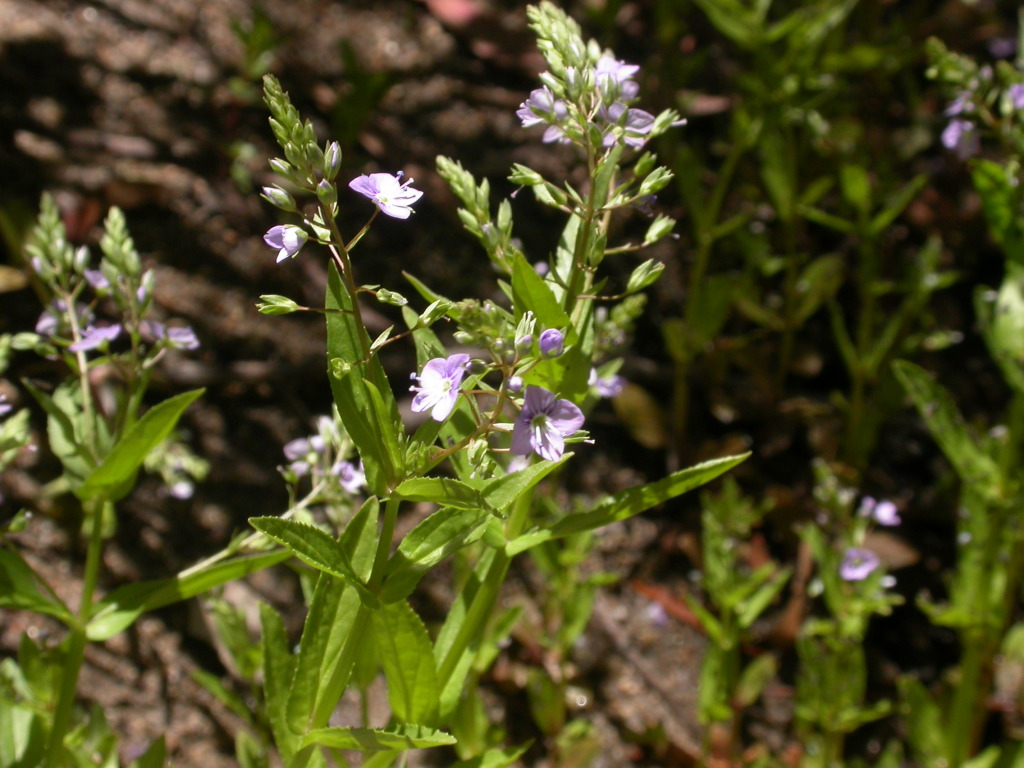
[315, 548]
[400, 737]
[111, 480]
[20, 588]
[947, 426]
[444, 491]
[440, 535]
[278, 668]
[118, 610]
[630, 502]
[407, 658]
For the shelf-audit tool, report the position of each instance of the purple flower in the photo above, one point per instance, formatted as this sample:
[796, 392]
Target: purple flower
[287, 238]
[179, 337]
[97, 280]
[5, 407]
[439, 386]
[551, 342]
[54, 318]
[1016, 94]
[543, 424]
[351, 477]
[606, 386]
[94, 337]
[614, 79]
[961, 137]
[882, 512]
[388, 193]
[636, 125]
[858, 563]
[541, 106]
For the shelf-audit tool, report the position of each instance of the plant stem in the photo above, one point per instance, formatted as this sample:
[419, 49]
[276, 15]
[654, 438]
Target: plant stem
[77, 639]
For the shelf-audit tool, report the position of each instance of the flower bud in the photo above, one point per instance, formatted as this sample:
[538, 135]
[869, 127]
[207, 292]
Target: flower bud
[326, 193]
[514, 385]
[332, 161]
[525, 177]
[278, 198]
[523, 344]
[551, 342]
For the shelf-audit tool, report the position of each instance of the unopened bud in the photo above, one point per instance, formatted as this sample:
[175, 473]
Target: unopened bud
[332, 161]
[326, 193]
[551, 342]
[278, 198]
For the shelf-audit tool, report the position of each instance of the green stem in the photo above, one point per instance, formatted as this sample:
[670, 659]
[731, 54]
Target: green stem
[486, 596]
[77, 639]
[967, 711]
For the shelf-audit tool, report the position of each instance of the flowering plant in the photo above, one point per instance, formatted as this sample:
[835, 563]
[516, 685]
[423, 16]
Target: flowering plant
[503, 411]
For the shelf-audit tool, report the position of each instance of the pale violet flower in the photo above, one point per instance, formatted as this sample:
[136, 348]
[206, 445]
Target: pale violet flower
[388, 193]
[94, 337]
[606, 386]
[614, 79]
[287, 239]
[97, 280]
[179, 337]
[541, 106]
[351, 477]
[551, 342]
[961, 137]
[882, 512]
[543, 424]
[858, 563]
[634, 127]
[438, 386]
[5, 407]
[1016, 94]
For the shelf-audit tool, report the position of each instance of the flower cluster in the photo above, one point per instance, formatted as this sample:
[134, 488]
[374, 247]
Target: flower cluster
[320, 456]
[606, 89]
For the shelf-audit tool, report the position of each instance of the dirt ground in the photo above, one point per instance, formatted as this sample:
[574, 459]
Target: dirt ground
[145, 104]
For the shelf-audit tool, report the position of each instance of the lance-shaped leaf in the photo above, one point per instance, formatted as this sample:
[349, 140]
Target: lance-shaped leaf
[314, 547]
[278, 665]
[112, 479]
[630, 502]
[939, 412]
[407, 657]
[444, 491]
[322, 669]
[20, 588]
[443, 533]
[400, 737]
[119, 610]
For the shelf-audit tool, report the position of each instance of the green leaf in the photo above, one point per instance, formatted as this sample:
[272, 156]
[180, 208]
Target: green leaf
[20, 589]
[278, 668]
[754, 678]
[407, 657]
[119, 609]
[754, 606]
[315, 548]
[493, 758]
[1000, 198]
[939, 412]
[154, 757]
[60, 431]
[349, 373]
[925, 731]
[530, 291]
[856, 187]
[818, 283]
[897, 205]
[443, 533]
[370, 739]
[444, 491]
[112, 479]
[504, 490]
[332, 613]
[630, 502]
